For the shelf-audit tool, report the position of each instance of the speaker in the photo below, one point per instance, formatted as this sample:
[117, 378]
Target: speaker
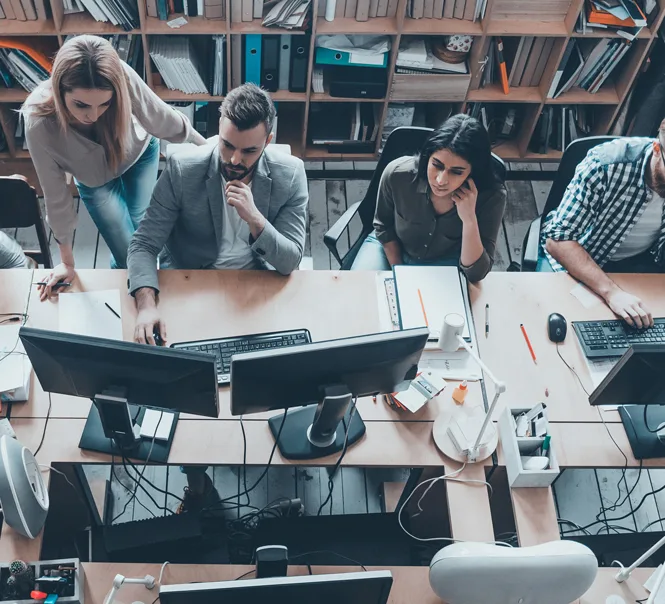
[23, 494]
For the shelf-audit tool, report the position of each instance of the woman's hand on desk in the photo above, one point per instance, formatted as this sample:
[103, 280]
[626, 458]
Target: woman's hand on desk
[62, 272]
[148, 320]
[629, 307]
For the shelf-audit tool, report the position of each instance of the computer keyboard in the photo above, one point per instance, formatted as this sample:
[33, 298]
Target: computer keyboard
[612, 338]
[225, 348]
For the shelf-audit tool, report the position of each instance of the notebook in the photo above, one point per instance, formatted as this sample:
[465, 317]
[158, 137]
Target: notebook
[426, 294]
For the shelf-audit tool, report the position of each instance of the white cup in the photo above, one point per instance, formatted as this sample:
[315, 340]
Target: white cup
[453, 326]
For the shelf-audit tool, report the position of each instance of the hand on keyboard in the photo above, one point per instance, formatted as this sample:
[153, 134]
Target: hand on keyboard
[630, 308]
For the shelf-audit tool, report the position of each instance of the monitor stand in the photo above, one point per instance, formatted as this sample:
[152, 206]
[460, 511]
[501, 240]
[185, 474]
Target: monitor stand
[113, 427]
[318, 430]
[645, 444]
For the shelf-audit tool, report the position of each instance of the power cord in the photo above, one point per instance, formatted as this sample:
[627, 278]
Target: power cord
[327, 551]
[331, 484]
[114, 475]
[48, 416]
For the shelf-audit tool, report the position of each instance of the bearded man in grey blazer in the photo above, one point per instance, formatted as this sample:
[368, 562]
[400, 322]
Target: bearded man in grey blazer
[237, 204]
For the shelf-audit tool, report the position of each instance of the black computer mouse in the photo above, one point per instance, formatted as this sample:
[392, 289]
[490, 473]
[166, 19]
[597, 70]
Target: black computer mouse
[557, 327]
[157, 336]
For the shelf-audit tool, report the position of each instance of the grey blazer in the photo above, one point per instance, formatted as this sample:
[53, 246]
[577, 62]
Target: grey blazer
[185, 214]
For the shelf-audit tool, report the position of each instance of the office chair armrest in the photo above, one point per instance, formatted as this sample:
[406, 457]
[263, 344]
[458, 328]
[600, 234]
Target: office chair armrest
[335, 231]
[531, 246]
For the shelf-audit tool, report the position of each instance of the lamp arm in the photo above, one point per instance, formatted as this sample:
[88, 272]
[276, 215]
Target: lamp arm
[499, 389]
[656, 588]
[624, 573]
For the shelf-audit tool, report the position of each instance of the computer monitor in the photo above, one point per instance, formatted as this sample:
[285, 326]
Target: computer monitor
[635, 382]
[372, 587]
[122, 379]
[324, 378]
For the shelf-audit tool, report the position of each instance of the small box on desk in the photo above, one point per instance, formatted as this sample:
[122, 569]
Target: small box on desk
[52, 572]
[515, 447]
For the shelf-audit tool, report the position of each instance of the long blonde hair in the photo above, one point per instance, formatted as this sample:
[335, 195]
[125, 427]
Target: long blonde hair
[90, 62]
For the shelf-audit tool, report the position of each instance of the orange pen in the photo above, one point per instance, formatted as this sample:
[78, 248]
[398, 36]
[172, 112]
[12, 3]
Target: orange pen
[422, 305]
[528, 343]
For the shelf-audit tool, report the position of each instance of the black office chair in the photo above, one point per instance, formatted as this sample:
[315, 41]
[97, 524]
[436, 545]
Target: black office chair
[572, 156]
[402, 141]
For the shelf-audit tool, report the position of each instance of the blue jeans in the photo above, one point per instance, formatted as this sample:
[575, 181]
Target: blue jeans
[372, 257]
[118, 206]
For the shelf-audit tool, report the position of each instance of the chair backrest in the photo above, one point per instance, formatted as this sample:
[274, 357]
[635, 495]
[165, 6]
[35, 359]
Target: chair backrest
[19, 208]
[406, 140]
[572, 156]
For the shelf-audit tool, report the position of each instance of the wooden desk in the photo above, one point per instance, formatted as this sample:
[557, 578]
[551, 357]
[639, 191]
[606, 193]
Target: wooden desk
[410, 584]
[530, 298]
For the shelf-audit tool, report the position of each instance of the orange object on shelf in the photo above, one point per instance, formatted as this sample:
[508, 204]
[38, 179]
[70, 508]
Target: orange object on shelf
[36, 55]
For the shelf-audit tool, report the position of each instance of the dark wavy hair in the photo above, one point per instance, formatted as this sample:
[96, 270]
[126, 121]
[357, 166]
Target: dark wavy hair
[466, 137]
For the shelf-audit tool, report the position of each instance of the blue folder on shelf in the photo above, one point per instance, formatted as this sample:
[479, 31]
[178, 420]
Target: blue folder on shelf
[327, 56]
[253, 58]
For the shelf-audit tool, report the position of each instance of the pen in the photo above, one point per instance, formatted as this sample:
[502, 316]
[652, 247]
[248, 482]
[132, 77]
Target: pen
[487, 320]
[59, 284]
[528, 343]
[422, 305]
[111, 309]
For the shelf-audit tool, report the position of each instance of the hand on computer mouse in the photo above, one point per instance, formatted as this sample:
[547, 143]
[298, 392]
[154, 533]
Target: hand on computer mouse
[148, 323]
[630, 308]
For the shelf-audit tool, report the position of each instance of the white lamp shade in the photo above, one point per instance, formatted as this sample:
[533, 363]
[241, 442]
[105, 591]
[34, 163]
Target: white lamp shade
[453, 326]
[558, 572]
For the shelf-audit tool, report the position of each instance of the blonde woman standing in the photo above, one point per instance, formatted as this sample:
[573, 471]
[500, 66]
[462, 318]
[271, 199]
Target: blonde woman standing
[98, 121]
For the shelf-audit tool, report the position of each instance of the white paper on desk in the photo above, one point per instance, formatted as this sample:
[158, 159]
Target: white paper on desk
[87, 314]
[651, 583]
[15, 366]
[451, 365]
[586, 297]
[599, 368]
[442, 293]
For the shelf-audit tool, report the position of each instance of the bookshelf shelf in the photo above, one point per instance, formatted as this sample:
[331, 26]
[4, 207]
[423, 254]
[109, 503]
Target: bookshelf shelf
[195, 25]
[377, 25]
[441, 27]
[494, 94]
[83, 23]
[522, 27]
[12, 27]
[607, 95]
[255, 27]
[531, 19]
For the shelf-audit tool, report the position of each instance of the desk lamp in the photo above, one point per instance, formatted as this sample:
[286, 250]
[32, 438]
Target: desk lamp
[120, 580]
[465, 436]
[625, 573]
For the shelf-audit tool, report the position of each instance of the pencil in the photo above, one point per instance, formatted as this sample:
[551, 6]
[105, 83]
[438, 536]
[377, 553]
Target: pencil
[528, 343]
[422, 305]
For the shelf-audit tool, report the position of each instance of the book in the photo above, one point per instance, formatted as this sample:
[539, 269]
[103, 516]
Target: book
[554, 87]
[542, 61]
[532, 61]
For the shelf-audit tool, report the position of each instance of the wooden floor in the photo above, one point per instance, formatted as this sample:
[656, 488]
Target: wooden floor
[580, 494]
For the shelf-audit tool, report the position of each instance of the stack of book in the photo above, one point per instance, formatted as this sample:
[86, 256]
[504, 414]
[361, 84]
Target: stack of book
[23, 10]
[525, 59]
[587, 64]
[360, 10]
[625, 17]
[415, 56]
[469, 10]
[288, 14]
[181, 64]
[351, 128]
[123, 13]
[558, 126]
[22, 64]
[209, 9]
[397, 116]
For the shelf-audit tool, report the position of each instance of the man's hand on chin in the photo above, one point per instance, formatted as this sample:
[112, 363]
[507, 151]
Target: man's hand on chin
[239, 196]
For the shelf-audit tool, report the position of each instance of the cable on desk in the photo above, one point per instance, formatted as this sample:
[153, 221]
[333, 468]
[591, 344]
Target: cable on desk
[139, 485]
[249, 572]
[216, 506]
[48, 415]
[646, 422]
[244, 460]
[331, 484]
[114, 475]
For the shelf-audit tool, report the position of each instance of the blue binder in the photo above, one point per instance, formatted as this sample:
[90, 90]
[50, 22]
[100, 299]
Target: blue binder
[327, 56]
[253, 58]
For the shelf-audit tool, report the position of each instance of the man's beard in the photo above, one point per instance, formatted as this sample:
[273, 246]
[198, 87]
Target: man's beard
[231, 172]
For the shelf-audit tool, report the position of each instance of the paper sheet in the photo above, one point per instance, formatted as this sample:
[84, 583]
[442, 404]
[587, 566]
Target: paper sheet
[87, 314]
[586, 297]
[649, 585]
[451, 365]
[599, 368]
[15, 366]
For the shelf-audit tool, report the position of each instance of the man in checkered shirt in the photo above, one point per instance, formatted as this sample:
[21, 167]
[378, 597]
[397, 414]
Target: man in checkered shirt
[610, 220]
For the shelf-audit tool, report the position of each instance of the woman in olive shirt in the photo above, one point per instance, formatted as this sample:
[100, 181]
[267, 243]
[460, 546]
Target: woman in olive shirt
[442, 207]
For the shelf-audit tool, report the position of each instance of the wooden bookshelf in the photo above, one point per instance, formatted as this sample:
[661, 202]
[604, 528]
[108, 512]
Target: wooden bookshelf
[294, 108]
